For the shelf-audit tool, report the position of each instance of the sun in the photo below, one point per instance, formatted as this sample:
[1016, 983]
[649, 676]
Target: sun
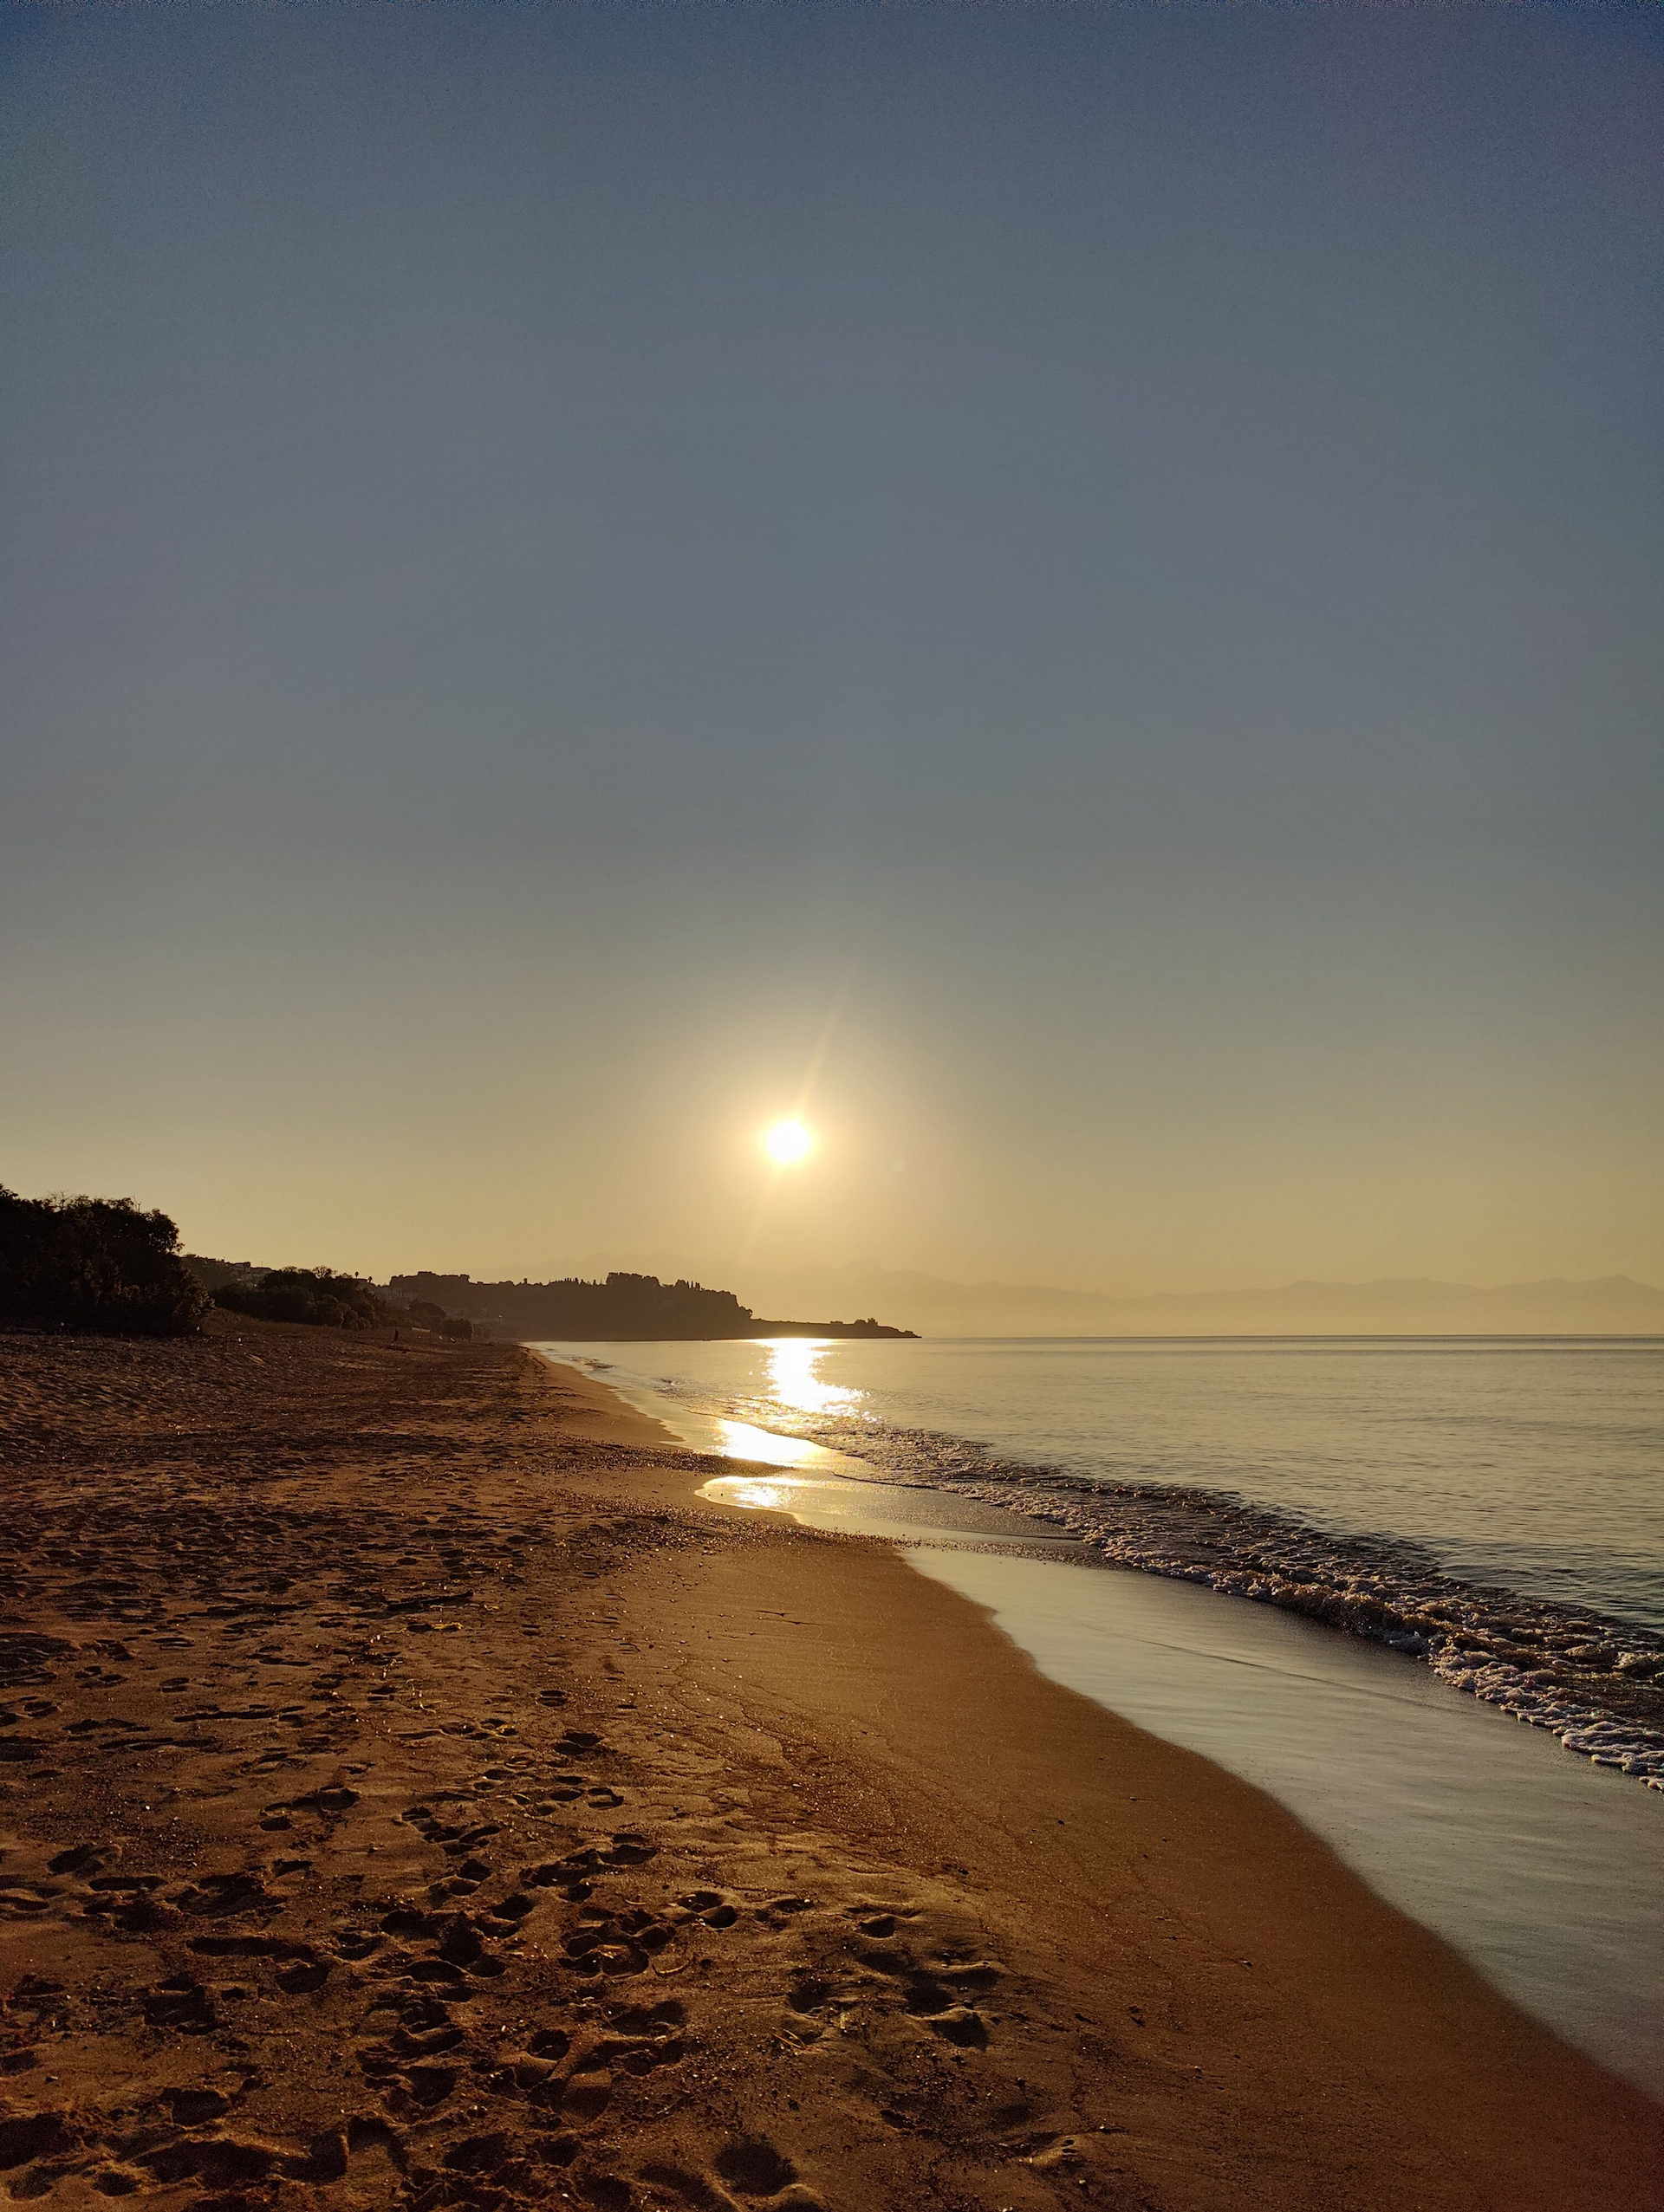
[787, 1143]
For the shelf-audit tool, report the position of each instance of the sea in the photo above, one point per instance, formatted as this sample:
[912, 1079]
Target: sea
[1412, 1589]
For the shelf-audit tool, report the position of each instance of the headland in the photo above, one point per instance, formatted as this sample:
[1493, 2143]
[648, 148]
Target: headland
[621, 1307]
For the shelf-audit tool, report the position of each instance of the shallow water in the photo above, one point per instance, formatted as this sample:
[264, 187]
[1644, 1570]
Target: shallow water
[1544, 1869]
[1545, 1872]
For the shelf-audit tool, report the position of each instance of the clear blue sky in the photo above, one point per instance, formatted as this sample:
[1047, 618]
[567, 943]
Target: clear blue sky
[547, 549]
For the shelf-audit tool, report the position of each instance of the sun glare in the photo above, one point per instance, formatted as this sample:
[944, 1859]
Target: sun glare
[787, 1143]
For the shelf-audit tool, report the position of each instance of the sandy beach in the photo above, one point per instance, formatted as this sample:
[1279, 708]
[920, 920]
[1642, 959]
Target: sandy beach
[411, 1792]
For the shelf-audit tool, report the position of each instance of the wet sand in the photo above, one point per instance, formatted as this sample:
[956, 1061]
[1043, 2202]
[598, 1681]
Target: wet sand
[412, 1792]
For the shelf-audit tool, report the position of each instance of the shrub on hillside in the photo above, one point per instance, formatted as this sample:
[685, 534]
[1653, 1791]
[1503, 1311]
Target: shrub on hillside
[426, 1315]
[316, 1295]
[97, 1265]
[214, 1275]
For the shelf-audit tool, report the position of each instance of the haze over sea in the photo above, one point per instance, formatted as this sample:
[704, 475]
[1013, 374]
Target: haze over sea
[1515, 1485]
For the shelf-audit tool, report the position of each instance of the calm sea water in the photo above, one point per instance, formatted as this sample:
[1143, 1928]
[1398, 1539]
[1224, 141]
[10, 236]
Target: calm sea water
[1483, 1516]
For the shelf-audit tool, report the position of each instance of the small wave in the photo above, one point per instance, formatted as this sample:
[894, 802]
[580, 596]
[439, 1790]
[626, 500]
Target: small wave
[1595, 1682]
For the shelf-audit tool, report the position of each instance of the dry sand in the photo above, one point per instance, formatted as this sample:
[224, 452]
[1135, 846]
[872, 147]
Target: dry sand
[411, 1792]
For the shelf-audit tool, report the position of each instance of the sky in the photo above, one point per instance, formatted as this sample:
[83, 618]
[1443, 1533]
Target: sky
[1089, 574]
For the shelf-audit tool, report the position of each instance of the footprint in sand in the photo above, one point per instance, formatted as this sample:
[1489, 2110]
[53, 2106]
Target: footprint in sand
[23, 1750]
[305, 1977]
[460, 1944]
[194, 2107]
[709, 1907]
[605, 1946]
[22, 1900]
[27, 2136]
[667, 2017]
[424, 2030]
[586, 2097]
[435, 1973]
[180, 2002]
[269, 1947]
[659, 2044]
[629, 1847]
[754, 2167]
[365, 2132]
[430, 2085]
[479, 2154]
[217, 1895]
[408, 1923]
[528, 2077]
[116, 2181]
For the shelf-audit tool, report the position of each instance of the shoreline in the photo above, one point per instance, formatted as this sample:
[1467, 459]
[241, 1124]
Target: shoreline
[1544, 1873]
[1253, 1828]
[625, 1849]
[1576, 1670]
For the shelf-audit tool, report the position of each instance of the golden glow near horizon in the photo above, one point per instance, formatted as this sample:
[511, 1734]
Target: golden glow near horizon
[787, 1143]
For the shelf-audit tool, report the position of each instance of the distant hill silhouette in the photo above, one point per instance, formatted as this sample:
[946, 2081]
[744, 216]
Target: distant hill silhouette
[621, 1306]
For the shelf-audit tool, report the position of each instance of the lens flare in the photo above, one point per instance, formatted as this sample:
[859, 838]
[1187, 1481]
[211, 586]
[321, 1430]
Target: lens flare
[787, 1143]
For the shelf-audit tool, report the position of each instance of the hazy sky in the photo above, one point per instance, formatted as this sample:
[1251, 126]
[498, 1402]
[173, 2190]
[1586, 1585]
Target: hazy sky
[548, 551]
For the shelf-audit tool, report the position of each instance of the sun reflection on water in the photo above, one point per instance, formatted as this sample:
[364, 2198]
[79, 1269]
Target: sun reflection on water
[768, 1497]
[793, 1378]
[741, 1440]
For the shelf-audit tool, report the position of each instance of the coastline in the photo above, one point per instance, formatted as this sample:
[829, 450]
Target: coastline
[1584, 1665]
[737, 1861]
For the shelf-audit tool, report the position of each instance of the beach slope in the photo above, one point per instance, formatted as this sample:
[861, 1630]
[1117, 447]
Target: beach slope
[412, 1792]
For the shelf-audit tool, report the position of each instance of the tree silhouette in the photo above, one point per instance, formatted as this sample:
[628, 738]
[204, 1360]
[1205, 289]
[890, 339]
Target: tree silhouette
[95, 1265]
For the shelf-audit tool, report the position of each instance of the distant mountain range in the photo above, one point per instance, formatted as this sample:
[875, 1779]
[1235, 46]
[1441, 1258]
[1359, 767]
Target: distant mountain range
[1609, 1306]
